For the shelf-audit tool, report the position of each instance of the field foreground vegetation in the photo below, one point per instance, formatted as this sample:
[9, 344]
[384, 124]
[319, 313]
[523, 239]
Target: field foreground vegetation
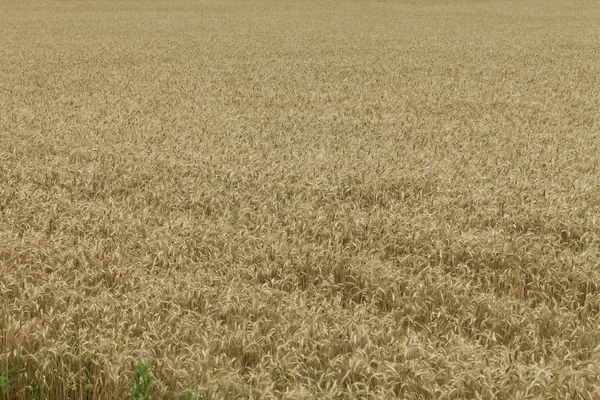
[300, 200]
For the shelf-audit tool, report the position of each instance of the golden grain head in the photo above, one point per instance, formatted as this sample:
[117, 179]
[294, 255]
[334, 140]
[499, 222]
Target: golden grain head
[300, 200]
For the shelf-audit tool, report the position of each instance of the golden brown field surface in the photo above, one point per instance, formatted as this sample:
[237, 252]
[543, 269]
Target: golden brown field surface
[300, 199]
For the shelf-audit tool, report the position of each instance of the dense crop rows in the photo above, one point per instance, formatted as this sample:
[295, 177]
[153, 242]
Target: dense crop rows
[313, 199]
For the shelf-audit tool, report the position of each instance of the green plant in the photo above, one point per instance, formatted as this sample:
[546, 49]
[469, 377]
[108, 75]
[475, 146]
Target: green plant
[141, 380]
[7, 378]
[189, 395]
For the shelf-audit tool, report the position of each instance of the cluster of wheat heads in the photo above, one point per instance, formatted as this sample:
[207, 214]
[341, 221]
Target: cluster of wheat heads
[274, 199]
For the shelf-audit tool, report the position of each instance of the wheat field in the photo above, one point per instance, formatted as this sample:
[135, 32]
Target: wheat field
[262, 199]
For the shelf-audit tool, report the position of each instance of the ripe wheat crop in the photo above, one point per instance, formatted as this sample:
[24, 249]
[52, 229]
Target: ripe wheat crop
[300, 199]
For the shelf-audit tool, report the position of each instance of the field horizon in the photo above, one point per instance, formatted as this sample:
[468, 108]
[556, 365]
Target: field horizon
[300, 200]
